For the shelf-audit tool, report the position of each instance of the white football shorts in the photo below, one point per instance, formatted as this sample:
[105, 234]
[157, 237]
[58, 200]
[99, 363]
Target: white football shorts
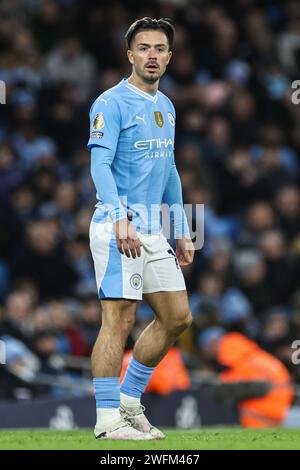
[119, 277]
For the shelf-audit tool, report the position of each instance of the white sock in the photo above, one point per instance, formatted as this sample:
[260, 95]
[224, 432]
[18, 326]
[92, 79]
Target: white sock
[106, 418]
[129, 402]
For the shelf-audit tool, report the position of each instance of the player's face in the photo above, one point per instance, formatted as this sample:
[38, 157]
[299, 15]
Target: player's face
[149, 55]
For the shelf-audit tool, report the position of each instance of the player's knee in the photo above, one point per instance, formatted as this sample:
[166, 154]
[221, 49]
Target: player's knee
[119, 317]
[127, 324]
[111, 321]
[181, 322]
[186, 320]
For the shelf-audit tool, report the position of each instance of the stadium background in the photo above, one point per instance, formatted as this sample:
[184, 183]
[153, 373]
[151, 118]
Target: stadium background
[237, 150]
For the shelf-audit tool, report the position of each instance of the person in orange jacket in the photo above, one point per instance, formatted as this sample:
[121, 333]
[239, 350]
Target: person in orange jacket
[246, 362]
[170, 374]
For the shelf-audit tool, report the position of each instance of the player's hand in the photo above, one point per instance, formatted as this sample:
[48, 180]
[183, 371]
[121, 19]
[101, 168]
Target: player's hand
[128, 241]
[185, 251]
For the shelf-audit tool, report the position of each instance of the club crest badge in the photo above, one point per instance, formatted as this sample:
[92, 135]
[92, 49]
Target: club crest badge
[136, 281]
[171, 119]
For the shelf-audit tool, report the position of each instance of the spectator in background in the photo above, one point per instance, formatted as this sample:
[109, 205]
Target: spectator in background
[70, 63]
[17, 375]
[287, 204]
[22, 204]
[276, 335]
[42, 258]
[236, 313]
[272, 138]
[48, 24]
[79, 258]
[31, 146]
[251, 274]
[69, 338]
[220, 259]
[245, 362]
[218, 141]
[18, 316]
[10, 174]
[66, 204]
[273, 247]
[259, 217]
[242, 116]
[90, 321]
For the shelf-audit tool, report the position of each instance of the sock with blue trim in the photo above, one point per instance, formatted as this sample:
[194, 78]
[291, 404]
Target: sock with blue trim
[107, 396]
[134, 383]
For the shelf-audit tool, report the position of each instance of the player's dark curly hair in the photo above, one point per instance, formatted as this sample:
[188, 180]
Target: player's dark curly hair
[144, 24]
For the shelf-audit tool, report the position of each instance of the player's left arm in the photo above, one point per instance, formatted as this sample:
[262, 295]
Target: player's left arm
[173, 197]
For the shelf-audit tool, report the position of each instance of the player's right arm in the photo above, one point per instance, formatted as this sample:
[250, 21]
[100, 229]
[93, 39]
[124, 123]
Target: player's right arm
[105, 126]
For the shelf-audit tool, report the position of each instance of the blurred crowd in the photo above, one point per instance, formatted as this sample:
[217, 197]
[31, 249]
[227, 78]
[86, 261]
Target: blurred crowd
[237, 151]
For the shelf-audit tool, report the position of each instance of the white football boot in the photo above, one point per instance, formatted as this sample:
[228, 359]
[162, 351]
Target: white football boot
[139, 421]
[122, 430]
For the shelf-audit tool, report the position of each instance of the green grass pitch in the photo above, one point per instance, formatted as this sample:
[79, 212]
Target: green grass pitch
[196, 439]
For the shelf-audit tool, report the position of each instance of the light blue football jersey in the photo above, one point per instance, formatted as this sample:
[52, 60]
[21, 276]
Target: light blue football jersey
[138, 129]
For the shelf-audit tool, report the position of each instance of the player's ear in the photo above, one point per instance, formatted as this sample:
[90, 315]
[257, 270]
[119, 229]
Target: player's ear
[130, 56]
[169, 56]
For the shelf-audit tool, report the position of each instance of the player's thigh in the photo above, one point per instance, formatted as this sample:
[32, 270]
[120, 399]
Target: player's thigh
[170, 307]
[164, 285]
